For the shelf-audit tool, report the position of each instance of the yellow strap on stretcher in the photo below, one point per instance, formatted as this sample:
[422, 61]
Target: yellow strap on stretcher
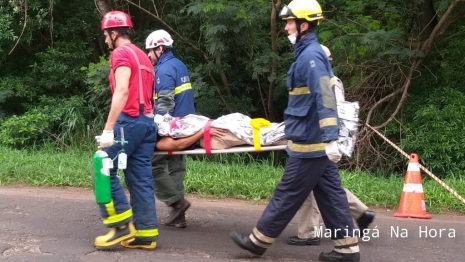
[256, 124]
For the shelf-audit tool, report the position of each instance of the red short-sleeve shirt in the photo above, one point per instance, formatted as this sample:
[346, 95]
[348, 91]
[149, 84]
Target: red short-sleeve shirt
[122, 57]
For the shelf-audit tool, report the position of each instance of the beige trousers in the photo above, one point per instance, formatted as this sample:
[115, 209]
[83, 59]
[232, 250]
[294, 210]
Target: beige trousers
[309, 214]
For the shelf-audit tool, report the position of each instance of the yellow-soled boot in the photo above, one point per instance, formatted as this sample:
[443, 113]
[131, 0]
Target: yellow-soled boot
[116, 235]
[138, 243]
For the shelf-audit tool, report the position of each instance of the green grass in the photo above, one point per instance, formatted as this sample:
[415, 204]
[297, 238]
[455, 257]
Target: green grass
[235, 176]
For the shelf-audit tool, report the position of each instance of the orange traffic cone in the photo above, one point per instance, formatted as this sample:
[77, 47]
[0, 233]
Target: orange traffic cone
[412, 202]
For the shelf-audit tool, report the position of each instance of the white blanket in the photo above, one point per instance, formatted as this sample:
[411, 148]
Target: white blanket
[348, 126]
[236, 123]
[239, 125]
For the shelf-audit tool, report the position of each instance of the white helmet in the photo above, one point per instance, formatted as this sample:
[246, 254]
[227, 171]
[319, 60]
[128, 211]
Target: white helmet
[327, 52]
[158, 38]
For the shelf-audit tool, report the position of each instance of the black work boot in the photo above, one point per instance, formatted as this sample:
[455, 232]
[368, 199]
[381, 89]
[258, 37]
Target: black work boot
[139, 243]
[116, 235]
[179, 222]
[244, 242]
[365, 220]
[178, 208]
[297, 241]
[337, 257]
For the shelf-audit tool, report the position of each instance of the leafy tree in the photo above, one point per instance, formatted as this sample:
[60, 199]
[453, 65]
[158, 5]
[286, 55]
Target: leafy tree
[399, 59]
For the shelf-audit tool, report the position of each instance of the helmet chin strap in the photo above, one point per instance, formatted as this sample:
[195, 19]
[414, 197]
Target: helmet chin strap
[155, 53]
[299, 33]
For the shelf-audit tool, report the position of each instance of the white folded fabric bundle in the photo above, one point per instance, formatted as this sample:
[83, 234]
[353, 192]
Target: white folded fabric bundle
[348, 126]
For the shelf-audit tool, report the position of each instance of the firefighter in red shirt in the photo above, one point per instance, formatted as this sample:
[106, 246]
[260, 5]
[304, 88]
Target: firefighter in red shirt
[131, 83]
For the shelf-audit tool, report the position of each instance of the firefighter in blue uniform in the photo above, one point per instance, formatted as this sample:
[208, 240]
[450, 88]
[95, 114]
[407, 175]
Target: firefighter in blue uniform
[312, 132]
[174, 96]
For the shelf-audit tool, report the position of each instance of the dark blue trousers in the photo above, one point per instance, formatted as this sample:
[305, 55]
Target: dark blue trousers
[141, 134]
[301, 176]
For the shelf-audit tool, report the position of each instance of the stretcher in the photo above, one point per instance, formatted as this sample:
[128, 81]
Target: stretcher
[236, 149]
[347, 112]
[256, 124]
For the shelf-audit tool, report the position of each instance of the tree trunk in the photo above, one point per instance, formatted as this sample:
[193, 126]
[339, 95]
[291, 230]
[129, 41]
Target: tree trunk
[275, 4]
[103, 6]
[426, 47]
[224, 79]
[427, 18]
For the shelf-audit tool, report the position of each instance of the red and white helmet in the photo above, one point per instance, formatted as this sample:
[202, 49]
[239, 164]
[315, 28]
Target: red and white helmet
[158, 38]
[114, 19]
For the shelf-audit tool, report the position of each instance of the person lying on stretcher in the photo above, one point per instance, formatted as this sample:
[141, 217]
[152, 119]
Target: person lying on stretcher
[167, 143]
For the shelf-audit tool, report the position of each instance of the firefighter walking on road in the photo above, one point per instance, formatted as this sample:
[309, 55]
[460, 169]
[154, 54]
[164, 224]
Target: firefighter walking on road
[311, 128]
[309, 214]
[174, 96]
[131, 83]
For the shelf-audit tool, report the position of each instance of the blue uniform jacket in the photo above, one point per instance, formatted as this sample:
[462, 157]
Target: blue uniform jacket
[311, 116]
[173, 89]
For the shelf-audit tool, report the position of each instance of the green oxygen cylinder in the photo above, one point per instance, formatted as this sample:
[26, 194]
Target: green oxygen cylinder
[102, 183]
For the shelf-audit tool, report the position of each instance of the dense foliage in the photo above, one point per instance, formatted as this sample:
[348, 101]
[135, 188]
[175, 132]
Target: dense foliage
[400, 59]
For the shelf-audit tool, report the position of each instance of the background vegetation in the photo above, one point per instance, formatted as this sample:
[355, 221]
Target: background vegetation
[401, 60]
[234, 176]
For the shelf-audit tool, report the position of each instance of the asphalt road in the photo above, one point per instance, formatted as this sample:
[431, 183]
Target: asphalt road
[60, 224]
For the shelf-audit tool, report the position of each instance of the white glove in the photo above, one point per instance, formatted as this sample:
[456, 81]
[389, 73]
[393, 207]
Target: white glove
[107, 138]
[332, 151]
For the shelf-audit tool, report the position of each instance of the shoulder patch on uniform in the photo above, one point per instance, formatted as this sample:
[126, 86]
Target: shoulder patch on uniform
[158, 80]
[185, 79]
[312, 63]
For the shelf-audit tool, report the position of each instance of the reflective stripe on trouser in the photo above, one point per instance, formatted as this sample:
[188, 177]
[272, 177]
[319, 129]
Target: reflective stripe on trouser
[141, 134]
[309, 214]
[300, 177]
[168, 174]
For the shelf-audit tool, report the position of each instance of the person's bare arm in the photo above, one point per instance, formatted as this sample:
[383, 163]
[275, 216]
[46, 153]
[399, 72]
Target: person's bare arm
[169, 144]
[120, 96]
